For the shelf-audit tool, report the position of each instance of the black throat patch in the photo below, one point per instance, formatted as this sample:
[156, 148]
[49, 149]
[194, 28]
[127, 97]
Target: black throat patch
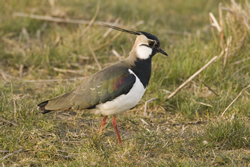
[142, 69]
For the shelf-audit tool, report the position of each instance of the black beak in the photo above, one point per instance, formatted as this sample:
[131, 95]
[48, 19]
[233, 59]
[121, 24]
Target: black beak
[160, 50]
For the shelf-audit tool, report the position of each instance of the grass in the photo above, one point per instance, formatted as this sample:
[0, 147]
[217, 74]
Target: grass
[229, 134]
[186, 130]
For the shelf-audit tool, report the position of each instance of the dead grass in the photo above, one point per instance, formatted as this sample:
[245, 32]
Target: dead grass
[41, 59]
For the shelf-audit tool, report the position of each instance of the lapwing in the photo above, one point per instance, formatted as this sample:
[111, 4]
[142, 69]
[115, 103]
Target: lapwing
[114, 89]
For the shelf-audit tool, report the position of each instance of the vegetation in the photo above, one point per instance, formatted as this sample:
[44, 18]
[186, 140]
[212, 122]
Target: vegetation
[41, 59]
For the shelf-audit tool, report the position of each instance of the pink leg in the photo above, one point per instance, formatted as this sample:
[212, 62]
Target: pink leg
[103, 123]
[116, 130]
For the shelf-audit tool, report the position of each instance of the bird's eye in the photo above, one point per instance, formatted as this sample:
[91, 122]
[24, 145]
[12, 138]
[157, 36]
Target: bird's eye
[151, 44]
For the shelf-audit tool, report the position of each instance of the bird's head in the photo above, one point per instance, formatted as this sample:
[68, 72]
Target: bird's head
[146, 45]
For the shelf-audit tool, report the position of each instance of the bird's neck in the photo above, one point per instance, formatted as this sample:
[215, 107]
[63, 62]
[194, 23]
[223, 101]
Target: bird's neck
[141, 68]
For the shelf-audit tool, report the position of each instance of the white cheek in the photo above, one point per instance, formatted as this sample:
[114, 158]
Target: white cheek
[144, 52]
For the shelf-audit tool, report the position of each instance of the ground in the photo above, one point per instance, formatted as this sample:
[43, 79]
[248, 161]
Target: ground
[205, 124]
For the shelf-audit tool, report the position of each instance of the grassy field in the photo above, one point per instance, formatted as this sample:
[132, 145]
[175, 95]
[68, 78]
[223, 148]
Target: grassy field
[41, 59]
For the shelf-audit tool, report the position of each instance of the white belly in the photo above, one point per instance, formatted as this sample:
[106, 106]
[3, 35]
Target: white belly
[124, 102]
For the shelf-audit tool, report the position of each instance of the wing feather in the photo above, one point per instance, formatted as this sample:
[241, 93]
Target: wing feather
[103, 86]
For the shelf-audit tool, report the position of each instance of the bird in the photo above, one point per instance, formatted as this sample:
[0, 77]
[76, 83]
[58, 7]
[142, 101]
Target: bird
[114, 89]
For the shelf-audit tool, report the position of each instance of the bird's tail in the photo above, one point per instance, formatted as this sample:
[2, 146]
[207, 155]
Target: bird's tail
[41, 107]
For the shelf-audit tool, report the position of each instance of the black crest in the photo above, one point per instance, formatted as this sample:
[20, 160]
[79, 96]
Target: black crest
[148, 35]
[122, 29]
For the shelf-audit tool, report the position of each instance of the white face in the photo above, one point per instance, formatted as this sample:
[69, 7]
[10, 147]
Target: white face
[143, 52]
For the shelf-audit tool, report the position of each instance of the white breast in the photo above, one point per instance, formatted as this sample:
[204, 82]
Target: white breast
[123, 102]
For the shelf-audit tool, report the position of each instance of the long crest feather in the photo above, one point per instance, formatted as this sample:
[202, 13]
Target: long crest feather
[121, 29]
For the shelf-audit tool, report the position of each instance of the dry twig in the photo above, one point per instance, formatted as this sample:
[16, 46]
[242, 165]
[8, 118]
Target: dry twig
[229, 40]
[6, 121]
[117, 54]
[210, 88]
[192, 77]
[53, 80]
[226, 50]
[93, 54]
[65, 156]
[8, 155]
[4, 151]
[106, 43]
[214, 22]
[21, 71]
[221, 26]
[4, 75]
[240, 61]
[58, 20]
[146, 103]
[144, 121]
[93, 19]
[235, 99]
[67, 70]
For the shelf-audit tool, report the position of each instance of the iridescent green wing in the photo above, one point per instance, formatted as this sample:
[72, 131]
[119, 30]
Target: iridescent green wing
[103, 87]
